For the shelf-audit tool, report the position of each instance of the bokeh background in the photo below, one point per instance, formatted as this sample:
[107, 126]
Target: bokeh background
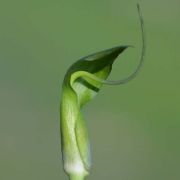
[134, 128]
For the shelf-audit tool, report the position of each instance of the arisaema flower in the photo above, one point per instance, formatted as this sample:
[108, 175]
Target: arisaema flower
[82, 82]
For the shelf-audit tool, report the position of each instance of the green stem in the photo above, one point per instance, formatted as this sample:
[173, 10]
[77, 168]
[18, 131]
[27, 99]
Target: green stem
[76, 177]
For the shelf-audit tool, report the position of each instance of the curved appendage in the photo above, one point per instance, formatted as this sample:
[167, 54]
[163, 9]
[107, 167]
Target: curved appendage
[85, 74]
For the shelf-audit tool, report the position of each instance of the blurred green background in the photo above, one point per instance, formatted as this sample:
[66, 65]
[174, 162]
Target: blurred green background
[134, 128]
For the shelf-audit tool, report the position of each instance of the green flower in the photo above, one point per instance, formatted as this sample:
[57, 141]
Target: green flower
[82, 82]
